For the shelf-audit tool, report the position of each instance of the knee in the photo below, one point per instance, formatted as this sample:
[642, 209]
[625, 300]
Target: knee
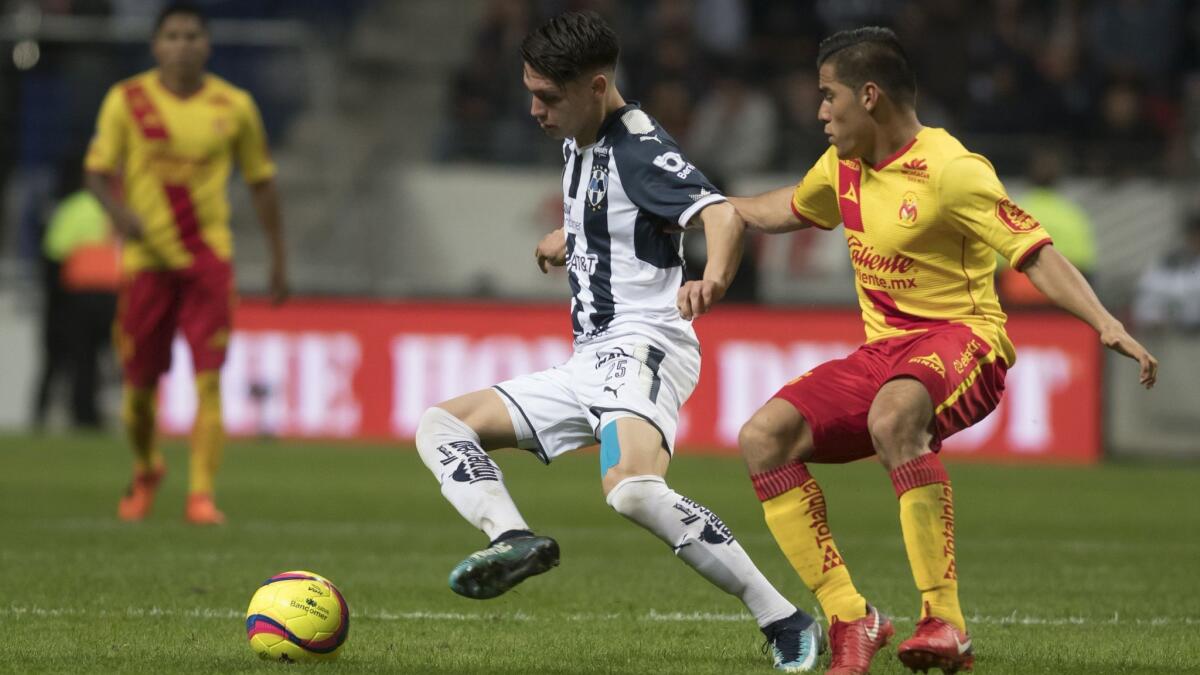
[208, 397]
[765, 445]
[138, 404]
[430, 420]
[436, 422]
[208, 383]
[895, 435]
[887, 428]
[635, 495]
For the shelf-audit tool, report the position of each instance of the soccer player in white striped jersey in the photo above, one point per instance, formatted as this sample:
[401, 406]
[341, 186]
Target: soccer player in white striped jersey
[628, 191]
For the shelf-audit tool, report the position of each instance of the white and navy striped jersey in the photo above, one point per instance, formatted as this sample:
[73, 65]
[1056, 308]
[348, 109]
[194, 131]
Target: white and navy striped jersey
[621, 196]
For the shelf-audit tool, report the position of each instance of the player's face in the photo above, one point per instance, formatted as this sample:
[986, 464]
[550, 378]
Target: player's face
[561, 111]
[847, 121]
[181, 44]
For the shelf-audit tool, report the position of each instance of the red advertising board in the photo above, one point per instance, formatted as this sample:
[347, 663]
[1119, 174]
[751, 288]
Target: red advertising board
[331, 369]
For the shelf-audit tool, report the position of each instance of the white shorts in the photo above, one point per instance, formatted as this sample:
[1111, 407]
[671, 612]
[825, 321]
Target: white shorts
[564, 408]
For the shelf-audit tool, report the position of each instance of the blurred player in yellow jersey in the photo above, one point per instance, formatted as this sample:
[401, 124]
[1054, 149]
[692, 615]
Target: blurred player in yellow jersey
[169, 137]
[921, 216]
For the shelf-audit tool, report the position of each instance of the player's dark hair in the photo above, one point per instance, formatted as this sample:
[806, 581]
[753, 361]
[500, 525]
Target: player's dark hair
[870, 54]
[180, 9]
[570, 45]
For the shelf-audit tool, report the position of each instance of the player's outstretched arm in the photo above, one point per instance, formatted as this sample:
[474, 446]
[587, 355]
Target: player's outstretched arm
[551, 250]
[1058, 279]
[266, 205]
[770, 212]
[724, 231]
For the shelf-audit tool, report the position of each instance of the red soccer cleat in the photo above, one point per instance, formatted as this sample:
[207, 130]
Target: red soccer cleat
[854, 643]
[937, 644]
[201, 510]
[139, 497]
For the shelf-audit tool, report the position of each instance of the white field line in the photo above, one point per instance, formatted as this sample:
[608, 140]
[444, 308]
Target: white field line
[357, 529]
[19, 612]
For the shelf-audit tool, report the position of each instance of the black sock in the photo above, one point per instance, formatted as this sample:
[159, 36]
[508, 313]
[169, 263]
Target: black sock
[511, 534]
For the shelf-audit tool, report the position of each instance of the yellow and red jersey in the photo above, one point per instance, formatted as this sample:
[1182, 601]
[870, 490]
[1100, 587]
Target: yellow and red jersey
[175, 155]
[921, 228]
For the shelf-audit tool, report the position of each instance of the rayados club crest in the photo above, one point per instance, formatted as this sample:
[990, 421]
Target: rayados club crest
[597, 187]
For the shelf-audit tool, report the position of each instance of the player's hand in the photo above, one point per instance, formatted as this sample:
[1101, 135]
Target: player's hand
[551, 250]
[698, 297]
[279, 285]
[1116, 338]
[127, 224]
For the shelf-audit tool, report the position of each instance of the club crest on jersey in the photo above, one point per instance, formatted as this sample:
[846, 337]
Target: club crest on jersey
[1014, 218]
[908, 208]
[597, 188]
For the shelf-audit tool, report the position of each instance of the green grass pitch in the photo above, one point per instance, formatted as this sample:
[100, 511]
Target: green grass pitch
[1061, 570]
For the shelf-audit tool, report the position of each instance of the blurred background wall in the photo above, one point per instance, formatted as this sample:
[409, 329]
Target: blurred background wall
[409, 167]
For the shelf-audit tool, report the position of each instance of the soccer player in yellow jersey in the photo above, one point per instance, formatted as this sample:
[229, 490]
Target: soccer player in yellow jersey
[921, 215]
[168, 138]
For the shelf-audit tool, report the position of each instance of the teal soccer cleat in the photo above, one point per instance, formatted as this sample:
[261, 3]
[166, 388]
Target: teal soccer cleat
[795, 642]
[510, 559]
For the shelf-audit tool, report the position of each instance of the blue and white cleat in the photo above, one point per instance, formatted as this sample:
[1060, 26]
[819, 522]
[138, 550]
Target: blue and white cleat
[795, 642]
[511, 559]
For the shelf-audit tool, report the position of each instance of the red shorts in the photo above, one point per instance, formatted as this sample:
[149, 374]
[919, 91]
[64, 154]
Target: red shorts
[153, 304]
[961, 372]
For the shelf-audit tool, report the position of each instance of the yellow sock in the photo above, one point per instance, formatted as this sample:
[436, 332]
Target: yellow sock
[927, 521]
[139, 415]
[794, 507]
[208, 433]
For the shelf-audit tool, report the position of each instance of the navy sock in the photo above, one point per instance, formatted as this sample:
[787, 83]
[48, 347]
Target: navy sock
[511, 534]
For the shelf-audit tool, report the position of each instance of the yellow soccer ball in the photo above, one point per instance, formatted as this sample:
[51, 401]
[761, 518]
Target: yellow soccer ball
[297, 616]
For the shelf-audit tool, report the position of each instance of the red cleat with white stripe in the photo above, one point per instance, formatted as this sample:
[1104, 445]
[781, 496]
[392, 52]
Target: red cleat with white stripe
[854, 643]
[937, 644]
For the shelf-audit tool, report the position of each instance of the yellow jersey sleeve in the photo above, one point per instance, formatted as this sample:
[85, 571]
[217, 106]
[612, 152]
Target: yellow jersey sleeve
[976, 204]
[106, 152]
[254, 159]
[814, 200]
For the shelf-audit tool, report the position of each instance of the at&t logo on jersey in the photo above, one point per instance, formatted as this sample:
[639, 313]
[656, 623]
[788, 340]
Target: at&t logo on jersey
[582, 263]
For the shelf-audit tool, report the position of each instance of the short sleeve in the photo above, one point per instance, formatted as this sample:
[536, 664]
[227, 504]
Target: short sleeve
[814, 201]
[656, 175]
[976, 203]
[254, 158]
[106, 152]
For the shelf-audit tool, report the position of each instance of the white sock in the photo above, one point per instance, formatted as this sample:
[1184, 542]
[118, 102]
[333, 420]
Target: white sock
[699, 537]
[470, 479]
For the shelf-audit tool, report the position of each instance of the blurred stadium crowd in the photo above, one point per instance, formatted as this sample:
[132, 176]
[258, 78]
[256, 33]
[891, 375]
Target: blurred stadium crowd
[735, 81]
[1090, 88]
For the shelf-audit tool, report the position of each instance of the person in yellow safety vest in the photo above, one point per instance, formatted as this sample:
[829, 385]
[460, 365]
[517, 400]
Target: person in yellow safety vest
[82, 259]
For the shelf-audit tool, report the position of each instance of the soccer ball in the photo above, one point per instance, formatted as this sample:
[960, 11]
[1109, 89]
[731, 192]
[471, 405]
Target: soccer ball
[297, 616]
